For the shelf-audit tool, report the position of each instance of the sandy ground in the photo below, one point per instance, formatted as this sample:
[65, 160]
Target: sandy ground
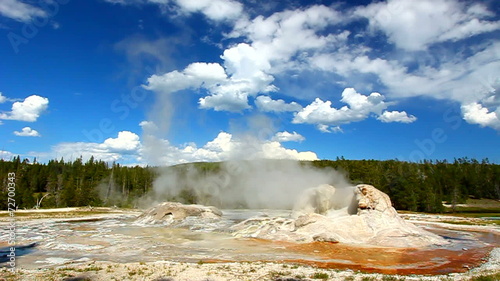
[235, 271]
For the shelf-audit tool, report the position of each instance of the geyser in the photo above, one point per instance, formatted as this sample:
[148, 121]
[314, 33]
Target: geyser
[319, 216]
[252, 184]
[326, 200]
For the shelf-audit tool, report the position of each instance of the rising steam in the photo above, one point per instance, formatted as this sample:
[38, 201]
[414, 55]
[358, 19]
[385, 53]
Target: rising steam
[255, 184]
[246, 178]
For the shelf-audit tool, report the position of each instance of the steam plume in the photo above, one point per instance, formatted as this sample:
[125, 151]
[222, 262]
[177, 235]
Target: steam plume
[255, 184]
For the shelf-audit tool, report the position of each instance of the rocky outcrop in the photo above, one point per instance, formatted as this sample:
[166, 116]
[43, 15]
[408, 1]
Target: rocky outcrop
[372, 221]
[370, 198]
[171, 212]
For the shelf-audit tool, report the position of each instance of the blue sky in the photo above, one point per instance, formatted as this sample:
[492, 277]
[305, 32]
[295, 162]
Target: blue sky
[170, 81]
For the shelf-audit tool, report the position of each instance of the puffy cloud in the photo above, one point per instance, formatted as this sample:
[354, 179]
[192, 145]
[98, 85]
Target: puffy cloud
[73, 150]
[321, 112]
[475, 113]
[206, 72]
[274, 150]
[148, 126]
[2, 98]
[284, 34]
[250, 66]
[27, 132]
[286, 136]
[217, 10]
[396, 116]
[6, 155]
[359, 107]
[126, 147]
[226, 101]
[28, 110]
[460, 78]
[224, 147]
[248, 76]
[19, 11]
[316, 38]
[194, 76]
[224, 93]
[266, 104]
[126, 141]
[414, 25]
[222, 143]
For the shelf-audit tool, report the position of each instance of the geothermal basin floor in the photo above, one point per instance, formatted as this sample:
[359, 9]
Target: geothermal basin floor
[115, 240]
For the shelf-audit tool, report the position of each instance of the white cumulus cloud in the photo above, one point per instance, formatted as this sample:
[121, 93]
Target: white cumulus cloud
[274, 41]
[282, 35]
[267, 104]
[224, 147]
[125, 147]
[315, 38]
[6, 155]
[217, 10]
[126, 141]
[28, 110]
[475, 113]
[27, 132]
[396, 116]
[358, 108]
[225, 93]
[128, 147]
[287, 136]
[193, 76]
[148, 126]
[226, 101]
[414, 25]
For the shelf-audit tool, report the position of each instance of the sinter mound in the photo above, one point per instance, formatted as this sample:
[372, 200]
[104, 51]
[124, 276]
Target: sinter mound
[174, 212]
[325, 213]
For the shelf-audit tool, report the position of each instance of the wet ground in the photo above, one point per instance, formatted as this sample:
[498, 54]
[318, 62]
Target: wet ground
[119, 239]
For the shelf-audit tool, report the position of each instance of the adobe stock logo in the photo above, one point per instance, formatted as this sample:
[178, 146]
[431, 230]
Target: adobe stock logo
[427, 147]
[122, 107]
[31, 29]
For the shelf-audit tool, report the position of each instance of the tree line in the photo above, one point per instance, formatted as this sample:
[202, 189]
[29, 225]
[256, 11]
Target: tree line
[426, 185]
[411, 186]
[60, 183]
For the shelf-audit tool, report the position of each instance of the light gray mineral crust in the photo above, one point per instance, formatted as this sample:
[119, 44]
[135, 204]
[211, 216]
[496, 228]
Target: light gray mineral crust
[171, 212]
[363, 215]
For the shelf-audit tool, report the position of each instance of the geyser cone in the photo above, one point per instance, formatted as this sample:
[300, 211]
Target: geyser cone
[320, 215]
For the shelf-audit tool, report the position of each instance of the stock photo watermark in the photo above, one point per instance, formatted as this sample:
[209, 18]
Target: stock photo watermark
[30, 29]
[427, 146]
[11, 203]
[122, 106]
